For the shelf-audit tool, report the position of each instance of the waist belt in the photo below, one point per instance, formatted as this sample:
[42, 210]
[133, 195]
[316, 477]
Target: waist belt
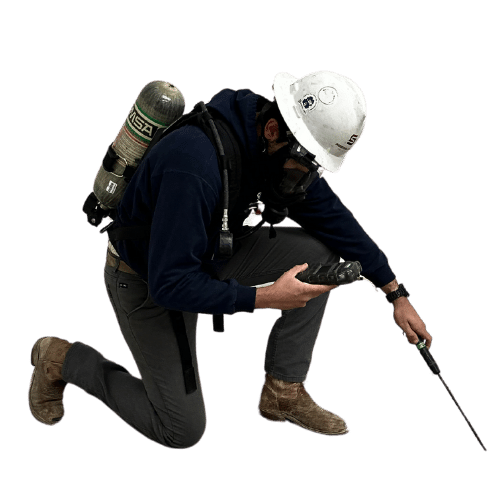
[178, 325]
[117, 263]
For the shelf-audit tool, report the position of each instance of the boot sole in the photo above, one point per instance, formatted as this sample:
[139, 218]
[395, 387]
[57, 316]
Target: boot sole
[282, 417]
[35, 354]
[298, 422]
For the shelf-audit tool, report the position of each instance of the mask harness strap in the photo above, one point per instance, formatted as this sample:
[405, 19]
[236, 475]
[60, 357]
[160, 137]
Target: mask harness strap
[272, 214]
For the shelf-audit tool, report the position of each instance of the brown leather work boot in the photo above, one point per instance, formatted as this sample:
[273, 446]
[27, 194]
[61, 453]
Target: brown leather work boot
[47, 385]
[282, 401]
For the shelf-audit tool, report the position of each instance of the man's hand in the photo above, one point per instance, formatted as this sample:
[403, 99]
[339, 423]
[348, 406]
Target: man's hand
[409, 321]
[288, 292]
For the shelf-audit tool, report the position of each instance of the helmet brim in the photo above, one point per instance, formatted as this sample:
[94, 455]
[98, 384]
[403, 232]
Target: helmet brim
[290, 111]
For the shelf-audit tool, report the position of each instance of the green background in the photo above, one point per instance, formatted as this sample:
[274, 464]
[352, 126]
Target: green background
[422, 182]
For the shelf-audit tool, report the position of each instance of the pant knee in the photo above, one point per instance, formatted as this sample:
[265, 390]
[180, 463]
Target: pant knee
[185, 437]
[190, 441]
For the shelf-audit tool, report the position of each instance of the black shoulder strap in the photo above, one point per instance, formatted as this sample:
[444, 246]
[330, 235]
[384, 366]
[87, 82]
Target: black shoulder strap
[232, 160]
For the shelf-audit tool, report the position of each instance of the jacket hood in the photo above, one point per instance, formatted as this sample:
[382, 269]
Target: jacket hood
[239, 108]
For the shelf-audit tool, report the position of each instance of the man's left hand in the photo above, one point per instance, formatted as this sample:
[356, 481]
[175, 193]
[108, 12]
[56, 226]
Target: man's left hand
[409, 321]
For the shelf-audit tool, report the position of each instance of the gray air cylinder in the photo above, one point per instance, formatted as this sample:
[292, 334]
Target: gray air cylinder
[159, 104]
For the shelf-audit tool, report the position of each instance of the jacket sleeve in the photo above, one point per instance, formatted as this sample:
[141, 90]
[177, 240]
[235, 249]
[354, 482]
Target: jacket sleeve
[324, 216]
[184, 204]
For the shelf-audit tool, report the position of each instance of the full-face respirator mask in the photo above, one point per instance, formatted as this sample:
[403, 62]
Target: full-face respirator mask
[282, 186]
[289, 185]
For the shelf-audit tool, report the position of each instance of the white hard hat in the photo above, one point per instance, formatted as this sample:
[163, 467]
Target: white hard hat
[324, 111]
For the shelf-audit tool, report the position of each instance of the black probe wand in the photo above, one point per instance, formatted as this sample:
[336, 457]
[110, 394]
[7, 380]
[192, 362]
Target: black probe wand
[435, 369]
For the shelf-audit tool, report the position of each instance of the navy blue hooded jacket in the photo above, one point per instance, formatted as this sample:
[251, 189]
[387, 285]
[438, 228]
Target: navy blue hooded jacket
[177, 189]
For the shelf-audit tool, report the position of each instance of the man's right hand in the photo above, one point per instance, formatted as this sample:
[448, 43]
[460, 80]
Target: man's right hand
[287, 292]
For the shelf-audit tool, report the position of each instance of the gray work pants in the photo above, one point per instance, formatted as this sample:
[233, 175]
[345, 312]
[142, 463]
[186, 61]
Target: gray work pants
[157, 404]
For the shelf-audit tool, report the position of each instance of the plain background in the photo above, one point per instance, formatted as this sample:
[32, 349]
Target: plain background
[422, 180]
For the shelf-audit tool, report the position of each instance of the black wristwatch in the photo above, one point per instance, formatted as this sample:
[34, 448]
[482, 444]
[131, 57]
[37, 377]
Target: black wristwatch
[400, 292]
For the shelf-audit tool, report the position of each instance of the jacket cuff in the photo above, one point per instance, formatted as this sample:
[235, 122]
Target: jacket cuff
[382, 277]
[245, 299]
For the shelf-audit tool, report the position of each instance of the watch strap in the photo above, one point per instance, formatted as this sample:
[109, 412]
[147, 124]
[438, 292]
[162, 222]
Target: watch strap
[400, 292]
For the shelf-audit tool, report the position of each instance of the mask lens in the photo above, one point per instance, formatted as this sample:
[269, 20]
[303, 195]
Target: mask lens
[294, 181]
